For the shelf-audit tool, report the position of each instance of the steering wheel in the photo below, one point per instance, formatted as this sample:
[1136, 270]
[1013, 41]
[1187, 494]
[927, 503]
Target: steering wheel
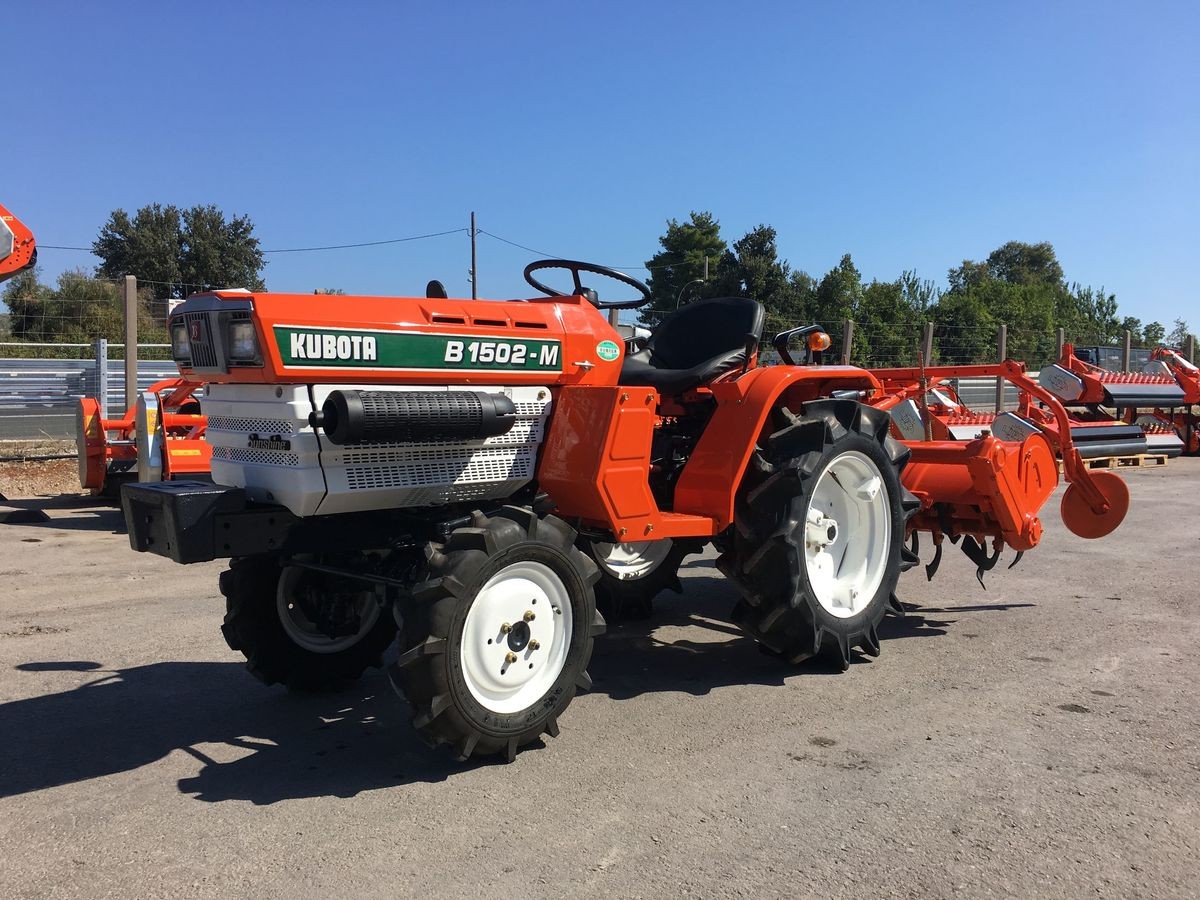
[575, 267]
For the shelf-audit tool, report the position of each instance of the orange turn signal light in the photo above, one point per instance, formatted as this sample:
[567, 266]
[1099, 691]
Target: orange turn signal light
[818, 341]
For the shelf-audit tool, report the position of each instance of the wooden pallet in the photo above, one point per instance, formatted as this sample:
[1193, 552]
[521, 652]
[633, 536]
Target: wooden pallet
[1123, 462]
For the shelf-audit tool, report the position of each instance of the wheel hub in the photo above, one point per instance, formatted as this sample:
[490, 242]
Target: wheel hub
[516, 637]
[847, 534]
[322, 618]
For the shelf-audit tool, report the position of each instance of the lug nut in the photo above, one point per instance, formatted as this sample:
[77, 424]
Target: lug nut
[533, 645]
[505, 628]
[510, 658]
[529, 616]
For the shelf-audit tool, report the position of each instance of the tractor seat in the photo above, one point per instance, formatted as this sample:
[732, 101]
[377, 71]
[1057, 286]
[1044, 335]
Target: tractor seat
[695, 344]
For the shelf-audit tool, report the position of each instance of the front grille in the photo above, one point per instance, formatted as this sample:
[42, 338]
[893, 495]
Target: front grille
[204, 354]
[445, 468]
[250, 426]
[255, 457]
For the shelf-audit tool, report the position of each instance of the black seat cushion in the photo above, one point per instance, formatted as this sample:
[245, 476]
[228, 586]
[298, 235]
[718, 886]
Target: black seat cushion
[695, 344]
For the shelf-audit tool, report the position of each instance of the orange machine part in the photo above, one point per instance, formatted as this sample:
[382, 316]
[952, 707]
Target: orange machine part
[1078, 514]
[574, 322]
[23, 252]
[709, 481]
[985, 487]
[596, 459]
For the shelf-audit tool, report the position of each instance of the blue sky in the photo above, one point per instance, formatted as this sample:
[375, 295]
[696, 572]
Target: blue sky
[910, 135]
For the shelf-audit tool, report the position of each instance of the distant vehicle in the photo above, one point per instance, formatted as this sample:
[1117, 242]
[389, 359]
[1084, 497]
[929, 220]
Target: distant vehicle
[1111, 357]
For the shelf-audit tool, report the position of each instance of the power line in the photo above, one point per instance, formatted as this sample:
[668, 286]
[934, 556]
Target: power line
[546, 253]
[415, 237]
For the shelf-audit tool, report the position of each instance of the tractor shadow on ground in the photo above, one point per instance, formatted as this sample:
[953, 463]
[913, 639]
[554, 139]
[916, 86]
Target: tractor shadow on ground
[255, 743]
[85, 513]
[657, 654]
[264, 745]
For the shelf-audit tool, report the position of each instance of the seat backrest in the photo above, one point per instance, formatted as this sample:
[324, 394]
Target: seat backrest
[703, 330]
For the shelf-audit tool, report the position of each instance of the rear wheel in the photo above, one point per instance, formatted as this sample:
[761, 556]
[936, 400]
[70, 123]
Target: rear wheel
[819, 540]
[300, 628]
[498, 634]
[632, 574]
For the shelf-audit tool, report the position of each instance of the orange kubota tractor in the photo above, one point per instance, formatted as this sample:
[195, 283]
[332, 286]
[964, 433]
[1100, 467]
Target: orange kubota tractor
[470, 474]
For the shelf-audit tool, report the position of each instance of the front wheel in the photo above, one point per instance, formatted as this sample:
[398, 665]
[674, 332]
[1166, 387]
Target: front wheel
[820, 521]
[301, 628]
[498, 634]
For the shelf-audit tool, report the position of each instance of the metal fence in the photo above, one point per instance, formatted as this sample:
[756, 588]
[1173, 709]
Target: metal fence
[38, 396]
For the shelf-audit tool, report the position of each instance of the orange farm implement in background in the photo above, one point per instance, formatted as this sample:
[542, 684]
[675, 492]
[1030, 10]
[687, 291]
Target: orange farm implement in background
[160, 438]
[1108, 400]
[1181, 419]
[18, 250]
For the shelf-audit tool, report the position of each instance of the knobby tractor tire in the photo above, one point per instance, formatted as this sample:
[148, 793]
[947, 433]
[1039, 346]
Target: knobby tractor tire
[779, 607]
[253, 627]
[623, 599]
[467, 594]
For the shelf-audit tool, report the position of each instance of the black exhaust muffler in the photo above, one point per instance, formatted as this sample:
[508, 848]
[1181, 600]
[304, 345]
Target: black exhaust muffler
[385, 417]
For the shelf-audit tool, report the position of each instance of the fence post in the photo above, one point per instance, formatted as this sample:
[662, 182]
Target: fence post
[927, 343]
[847, 340]
[1127, 350]
[1062, 339]
[102, 376]
[1002, 353]
[131, 390]
[1191, 349]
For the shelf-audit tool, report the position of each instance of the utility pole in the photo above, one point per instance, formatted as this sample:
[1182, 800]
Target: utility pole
[131, 348]
[474, 272]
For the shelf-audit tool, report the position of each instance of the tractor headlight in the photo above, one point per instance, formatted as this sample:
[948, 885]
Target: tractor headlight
[181, 347]
[243, 343]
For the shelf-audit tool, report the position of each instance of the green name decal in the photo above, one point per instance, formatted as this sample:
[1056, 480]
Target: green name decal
[321, 347]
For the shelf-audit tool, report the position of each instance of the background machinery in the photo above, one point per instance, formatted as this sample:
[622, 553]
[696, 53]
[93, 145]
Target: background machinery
[468, 475]
[159, 438]
[18, 249]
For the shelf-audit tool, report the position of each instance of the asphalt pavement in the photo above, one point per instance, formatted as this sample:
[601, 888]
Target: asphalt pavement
[1037, 739]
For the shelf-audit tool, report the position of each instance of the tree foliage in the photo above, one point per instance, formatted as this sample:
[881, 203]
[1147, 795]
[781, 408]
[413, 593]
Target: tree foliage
[685, 247]
[181, 251]
[79, 309]
[1021, 285]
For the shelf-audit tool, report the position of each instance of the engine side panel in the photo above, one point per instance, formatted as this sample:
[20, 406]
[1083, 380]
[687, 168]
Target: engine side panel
[262, 441]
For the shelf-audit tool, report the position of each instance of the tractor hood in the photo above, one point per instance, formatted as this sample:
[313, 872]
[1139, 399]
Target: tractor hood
[237, 336]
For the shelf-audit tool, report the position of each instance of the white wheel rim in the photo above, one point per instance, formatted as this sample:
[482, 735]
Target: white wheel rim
[632, 560]
[516, 637]
[304, 632]
[847, 534]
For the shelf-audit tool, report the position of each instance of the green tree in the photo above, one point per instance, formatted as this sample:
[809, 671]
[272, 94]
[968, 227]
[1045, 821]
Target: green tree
[839, 293]
[79, 309]
[1020, 263]
[1153, 333]
[1178, 338]
[685, 247]
[181, 251]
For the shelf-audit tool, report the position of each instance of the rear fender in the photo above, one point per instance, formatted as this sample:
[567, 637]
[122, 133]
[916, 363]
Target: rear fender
[711, 478]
